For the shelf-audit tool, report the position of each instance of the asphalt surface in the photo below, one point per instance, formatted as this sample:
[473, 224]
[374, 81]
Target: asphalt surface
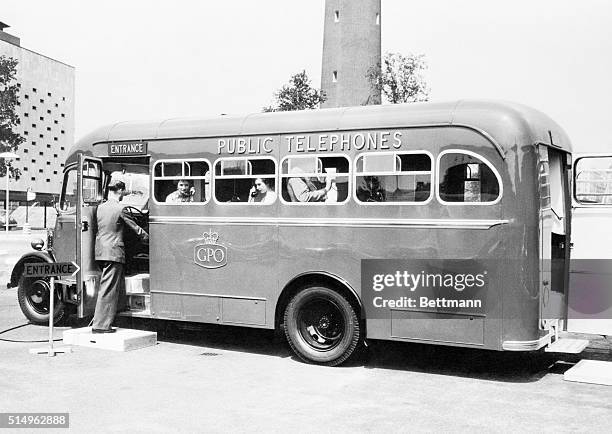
[219, 379]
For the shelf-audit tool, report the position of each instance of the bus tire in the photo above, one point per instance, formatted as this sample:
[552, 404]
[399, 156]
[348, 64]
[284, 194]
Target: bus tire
[33, 297]
[322, 326]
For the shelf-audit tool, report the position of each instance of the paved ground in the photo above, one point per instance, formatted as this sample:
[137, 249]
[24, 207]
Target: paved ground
[222, 379]
[218, 379]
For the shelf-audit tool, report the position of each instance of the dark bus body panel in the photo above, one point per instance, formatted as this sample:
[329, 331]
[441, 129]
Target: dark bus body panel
[268, 247]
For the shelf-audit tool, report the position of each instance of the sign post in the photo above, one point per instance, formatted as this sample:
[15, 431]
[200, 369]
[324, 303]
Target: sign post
[30, 196]
[51, 270]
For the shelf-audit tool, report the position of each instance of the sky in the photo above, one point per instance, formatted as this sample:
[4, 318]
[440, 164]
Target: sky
[153, 59]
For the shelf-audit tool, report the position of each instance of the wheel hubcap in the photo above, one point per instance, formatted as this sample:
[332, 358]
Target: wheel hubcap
[38, 296]
[321, 324]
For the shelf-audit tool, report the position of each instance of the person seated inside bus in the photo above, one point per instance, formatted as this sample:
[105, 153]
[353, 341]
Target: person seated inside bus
[369, 189]
[262, 191]
[184, 192]
[302, 189]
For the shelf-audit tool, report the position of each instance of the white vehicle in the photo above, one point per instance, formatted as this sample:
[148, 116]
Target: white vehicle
[590, 293]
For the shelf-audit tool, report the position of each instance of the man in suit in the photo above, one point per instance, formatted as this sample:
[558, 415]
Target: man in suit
[302, 189]
[110, 220]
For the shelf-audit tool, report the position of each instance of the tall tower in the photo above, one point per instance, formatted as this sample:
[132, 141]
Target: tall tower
[351, 46]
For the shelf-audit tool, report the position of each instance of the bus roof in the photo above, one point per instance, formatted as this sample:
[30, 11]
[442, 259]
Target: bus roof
[502, 122]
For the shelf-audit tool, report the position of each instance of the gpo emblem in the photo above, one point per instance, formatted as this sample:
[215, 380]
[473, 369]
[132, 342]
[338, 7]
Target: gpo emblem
[210, 254]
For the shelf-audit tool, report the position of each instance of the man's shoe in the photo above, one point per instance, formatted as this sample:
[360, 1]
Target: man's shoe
[96, 331]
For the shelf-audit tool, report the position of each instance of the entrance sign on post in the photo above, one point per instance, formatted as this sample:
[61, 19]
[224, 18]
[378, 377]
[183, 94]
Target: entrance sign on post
[52, 270]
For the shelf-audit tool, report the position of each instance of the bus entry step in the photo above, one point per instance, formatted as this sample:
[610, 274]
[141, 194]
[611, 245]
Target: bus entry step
[121, 340]
[569, 346]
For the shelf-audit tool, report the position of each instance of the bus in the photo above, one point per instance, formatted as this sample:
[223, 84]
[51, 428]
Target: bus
[441, 223]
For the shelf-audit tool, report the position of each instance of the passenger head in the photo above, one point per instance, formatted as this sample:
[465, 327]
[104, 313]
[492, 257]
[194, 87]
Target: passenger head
[262, 185]
[183, 187]
[116, 189]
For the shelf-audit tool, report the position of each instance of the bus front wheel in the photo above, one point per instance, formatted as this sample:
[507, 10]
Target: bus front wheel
[33, 295]
[321, 326]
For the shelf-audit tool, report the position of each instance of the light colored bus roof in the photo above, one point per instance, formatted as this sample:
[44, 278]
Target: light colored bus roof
[502, 122]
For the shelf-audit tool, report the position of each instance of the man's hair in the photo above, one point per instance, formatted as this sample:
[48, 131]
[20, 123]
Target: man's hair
[116, 186]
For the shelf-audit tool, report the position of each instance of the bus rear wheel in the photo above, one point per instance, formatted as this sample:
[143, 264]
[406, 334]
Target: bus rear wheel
[322, 326]
[33, 295]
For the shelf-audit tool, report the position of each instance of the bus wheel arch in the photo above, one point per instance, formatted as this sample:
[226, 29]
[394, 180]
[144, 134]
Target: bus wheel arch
[321, 317]
[321, 278]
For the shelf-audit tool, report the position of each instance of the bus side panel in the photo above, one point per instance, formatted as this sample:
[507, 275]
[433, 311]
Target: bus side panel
[339, 251]
[212, 262]
[230, 280]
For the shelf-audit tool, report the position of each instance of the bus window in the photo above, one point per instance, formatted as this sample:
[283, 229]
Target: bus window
[556, 185]
[393, 177]
[92, 182]
[594, 180]
[136, 179]
[69, 191]
[181, 182]
[466, 177]
[245, 180]
[304, 179]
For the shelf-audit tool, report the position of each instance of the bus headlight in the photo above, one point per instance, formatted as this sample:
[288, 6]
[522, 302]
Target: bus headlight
[37, 244]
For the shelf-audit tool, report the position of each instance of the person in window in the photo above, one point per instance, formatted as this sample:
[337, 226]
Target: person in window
[369, 189]
[262, 192]
[184, 192]
[303, 189]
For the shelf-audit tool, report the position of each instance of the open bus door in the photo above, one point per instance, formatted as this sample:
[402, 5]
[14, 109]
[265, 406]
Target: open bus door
[590, 292]
[89, 195]
[554, 235]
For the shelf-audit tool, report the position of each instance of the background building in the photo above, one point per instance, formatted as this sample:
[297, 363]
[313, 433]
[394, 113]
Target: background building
[46, 112]
[351, 46]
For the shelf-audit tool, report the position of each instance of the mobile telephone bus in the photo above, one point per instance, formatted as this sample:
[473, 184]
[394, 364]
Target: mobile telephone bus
[442, 223]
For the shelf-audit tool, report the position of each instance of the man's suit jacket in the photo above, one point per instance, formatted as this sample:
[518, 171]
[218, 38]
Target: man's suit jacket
[110, 222]
[303, 190]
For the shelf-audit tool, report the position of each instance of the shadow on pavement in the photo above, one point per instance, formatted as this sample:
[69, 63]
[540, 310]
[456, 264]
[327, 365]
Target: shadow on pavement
[460, 362]
[212, 336]
[431, 359]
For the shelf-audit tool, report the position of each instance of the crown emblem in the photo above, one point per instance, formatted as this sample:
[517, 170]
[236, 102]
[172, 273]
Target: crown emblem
[209, 253]
[210, 237]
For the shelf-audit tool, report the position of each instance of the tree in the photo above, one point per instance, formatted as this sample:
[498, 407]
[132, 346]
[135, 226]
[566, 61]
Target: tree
[400, 78]
[298, 94]
[9, 140]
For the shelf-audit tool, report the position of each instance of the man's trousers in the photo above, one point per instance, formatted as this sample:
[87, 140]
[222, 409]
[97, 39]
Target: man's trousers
[112, 288]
